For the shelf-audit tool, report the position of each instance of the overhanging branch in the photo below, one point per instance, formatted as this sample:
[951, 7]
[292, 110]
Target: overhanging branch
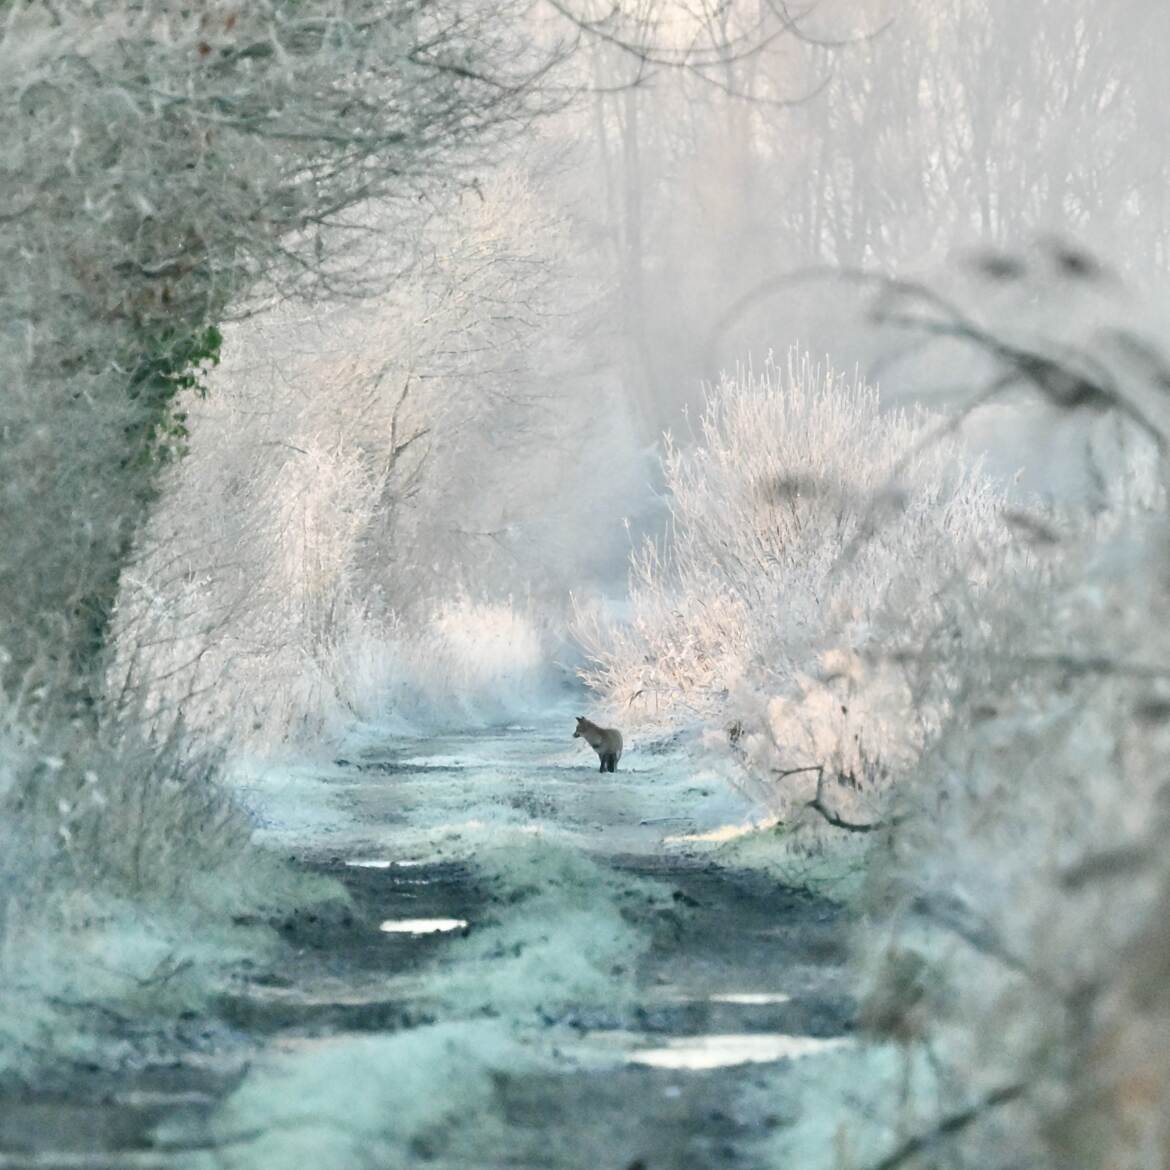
[950, 1126]
[833, 817]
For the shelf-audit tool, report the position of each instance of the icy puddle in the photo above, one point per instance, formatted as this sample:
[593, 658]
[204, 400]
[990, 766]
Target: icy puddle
[698, 1053]
[705, 1051]
[381, 863]
[421, 925]
[741, 998]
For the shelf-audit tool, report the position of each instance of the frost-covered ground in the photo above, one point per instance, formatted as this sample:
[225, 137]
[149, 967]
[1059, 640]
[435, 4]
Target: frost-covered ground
[448, 796]
[539, 966]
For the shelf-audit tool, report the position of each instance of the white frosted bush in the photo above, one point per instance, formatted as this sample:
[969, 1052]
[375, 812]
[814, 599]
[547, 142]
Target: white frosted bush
[488, 648]
[468, 663]
[1027, 880]
[1017, 932]
[815, 538]
[360, 471]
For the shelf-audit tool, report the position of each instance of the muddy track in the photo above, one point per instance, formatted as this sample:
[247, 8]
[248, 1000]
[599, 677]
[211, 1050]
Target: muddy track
[730, 954]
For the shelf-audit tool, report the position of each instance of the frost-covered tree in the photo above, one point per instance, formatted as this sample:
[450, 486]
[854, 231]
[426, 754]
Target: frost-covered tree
[1016, 938]
[883, 133]
[163, 168]
[160, 164]
[359, 467]
[813, 538]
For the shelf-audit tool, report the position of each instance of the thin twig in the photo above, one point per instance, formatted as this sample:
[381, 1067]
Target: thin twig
[783, 773]
[839, 822]
[949, 1126]
[957, 917]
[835, 819]
[1112, 863]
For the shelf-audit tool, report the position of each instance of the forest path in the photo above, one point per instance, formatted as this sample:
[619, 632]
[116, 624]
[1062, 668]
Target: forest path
[537, 969]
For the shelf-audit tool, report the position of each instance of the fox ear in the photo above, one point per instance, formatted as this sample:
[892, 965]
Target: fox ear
[580, 718]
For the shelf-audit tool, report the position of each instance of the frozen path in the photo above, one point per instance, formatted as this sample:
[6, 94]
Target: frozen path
[537, 969]
[416, 798]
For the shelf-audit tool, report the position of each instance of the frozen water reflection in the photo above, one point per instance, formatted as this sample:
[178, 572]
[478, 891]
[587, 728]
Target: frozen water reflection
[380, 863]
[697, 1053]
[751, 998]
[422, 925]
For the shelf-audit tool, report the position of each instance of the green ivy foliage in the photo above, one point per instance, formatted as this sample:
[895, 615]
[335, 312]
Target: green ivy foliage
[173, 361]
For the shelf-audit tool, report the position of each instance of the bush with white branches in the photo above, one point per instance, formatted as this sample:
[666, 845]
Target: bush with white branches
[346, 493]
[814, 538]
[1017, 930]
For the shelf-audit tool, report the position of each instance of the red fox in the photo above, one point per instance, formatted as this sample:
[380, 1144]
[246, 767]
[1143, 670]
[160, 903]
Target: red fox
[605, 741]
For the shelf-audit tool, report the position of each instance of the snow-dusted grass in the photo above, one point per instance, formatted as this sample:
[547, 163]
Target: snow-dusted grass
[814, 536]
[566, 938]
[844, 1111]
[562, 935]
[835, 868]
[123, 862]
[386, 1100]
[91, 979]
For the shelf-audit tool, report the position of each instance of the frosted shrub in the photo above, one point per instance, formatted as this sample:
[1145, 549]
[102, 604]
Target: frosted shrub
[121, 807]
[359, 469]
[1017, 934]
[470, 662]
[489, 647]
[317, 508]
[815, 537]
[1026, 885]
[142, 221]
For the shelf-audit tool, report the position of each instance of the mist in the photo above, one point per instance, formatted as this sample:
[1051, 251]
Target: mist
[584, 586]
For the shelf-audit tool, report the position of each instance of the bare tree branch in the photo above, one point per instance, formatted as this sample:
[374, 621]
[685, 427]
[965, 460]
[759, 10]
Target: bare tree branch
[951, 1125]
[817, 804]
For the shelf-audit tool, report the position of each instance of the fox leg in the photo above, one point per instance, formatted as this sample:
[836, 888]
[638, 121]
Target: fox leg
[602, 768]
